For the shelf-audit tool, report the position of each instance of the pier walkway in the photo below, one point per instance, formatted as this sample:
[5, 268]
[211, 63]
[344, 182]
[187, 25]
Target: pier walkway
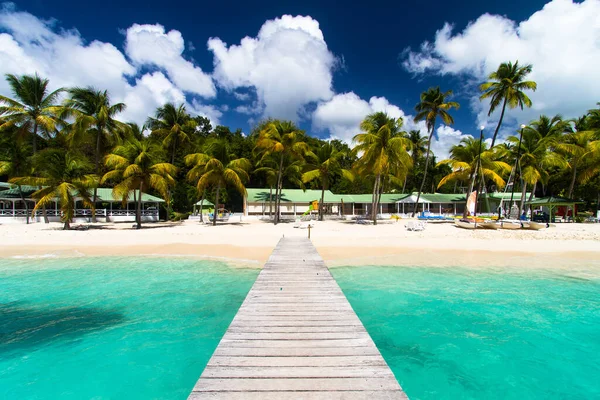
[296, 337]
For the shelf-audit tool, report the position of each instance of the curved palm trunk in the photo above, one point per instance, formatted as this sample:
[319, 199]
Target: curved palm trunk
[34, 139]
[138, 211]
[573, 177]
[216, 205]
[523, 194]
[404, 186]
[374, 202]
[321, 203]
[25, 203]
[278, 191]
[271, 200]
[531, 196]
[67, 225]
[499, 123]
[426, 167]
[95, 196]
[34, 144]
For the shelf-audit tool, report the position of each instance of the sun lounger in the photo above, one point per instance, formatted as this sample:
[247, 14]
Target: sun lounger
[414, 226]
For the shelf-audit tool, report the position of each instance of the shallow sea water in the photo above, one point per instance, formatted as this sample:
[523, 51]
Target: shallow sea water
[457, 333]
[112, 328]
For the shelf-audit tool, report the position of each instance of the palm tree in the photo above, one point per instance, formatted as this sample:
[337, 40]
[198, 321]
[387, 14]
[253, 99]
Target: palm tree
[94, 117]
[324, 167]
[535, 161]
[63, 176]
[15, 162]
[217, 168]
[32, 108]
[173, 124]
[466, 163]
[433, 104]
[418, 146]
[382, 146]
[268, 167]
[136, 165]
[507, 85]
[582, 146]
[551, 127]
[284, 140]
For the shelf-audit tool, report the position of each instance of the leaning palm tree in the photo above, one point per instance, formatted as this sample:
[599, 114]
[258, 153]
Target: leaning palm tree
[507, 85]
[383, 149]
[418, 146]
[283, 140]
[268, 168]
[468, 159]
[324, 167]
[173, 124]
[581, 146]
[217, 168]
[535, 162]
[434, 103]
[63, 176]
[94, 117]
[136, 165]
[33, 107]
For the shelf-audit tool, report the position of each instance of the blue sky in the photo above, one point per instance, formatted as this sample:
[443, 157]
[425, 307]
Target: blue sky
[326, 69]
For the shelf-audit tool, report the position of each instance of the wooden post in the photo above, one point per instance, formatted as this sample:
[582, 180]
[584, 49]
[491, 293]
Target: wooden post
[309, 230]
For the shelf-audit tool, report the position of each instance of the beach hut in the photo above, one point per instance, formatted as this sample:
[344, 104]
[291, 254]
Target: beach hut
[294, 202]
[552, 203]
[108, 209]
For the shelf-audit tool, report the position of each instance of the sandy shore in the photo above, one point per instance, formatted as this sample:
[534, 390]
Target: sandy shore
[340, 243]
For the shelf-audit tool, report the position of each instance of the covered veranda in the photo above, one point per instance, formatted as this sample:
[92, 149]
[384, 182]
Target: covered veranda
[108, 209]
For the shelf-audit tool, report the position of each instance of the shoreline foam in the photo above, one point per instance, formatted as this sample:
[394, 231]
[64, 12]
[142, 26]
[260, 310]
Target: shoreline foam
[339, 243]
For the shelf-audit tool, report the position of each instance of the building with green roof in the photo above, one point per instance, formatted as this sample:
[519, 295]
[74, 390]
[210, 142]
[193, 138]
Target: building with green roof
[295, 202]
[108, 208]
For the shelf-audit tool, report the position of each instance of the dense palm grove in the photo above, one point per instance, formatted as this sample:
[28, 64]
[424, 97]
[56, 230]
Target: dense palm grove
[71, 141]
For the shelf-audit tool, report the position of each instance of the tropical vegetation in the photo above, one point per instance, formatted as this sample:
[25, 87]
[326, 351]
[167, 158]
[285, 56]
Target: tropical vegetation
[68, 142]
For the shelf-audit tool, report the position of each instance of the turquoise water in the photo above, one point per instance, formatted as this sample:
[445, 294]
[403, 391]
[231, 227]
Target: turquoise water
[466, 334]
[112, 328]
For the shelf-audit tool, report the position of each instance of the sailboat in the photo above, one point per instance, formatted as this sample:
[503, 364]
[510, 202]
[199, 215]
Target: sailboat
[470, 223]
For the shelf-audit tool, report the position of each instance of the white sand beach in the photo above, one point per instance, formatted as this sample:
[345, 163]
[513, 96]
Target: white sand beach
[340, 243]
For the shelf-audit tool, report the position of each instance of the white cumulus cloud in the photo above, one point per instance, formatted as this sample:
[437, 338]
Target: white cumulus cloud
[150, 44]
[287, 63]
[341, 117]
[561, 41]
[31, 45]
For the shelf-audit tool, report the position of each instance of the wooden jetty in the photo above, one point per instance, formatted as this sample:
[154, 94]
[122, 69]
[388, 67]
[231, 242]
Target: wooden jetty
[296, 337]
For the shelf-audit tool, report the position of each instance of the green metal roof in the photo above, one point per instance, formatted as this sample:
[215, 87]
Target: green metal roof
[553, 201]
[506, 196]
[104, 194]
[291, 196]
[444, 197]
[206, 203]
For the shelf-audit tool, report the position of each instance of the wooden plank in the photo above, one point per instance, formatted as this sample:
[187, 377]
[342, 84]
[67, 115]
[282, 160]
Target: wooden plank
[214, 371]
[347, 361]
[295, 395]
[309, 384]
[296, 336]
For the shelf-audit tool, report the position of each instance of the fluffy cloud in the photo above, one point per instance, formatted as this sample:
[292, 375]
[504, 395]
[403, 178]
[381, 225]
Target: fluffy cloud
[446, 137]
[561, 41]
[31, 45]
[287, 63]
[341, 115]
[149, 44]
